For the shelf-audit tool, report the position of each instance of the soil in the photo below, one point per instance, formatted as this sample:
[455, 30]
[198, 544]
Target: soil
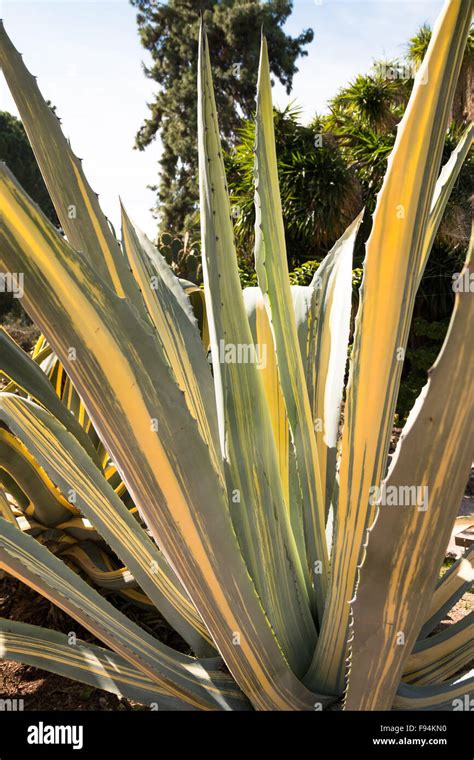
[39, 689]
[23, 332]
[42, 690]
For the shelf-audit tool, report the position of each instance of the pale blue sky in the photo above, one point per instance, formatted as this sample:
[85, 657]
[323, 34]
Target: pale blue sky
[87, 58]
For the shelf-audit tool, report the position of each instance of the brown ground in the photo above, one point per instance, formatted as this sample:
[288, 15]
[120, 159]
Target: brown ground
[41, 690]
[24, 333]
[45, 691]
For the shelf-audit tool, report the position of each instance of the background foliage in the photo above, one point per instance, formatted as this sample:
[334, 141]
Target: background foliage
[16, 151]
[169, 32]
[328, 169]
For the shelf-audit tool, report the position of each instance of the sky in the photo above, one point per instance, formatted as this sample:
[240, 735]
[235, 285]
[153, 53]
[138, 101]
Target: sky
[87, 57]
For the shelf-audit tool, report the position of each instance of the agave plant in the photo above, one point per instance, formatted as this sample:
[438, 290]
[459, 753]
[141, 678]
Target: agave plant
[226, 491]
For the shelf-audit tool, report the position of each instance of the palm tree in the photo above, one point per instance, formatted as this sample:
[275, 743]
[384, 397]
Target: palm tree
[463, 103]
[372, 100]
[363, 119]
[320, 194]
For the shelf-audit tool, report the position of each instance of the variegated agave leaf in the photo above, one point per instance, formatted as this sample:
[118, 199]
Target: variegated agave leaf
[226, 495]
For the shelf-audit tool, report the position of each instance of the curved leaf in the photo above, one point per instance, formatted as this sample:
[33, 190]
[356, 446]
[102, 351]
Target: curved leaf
[440, 657]
[84, 662]
[27, 375]
[197, 682]
[393, 258]
[145, 424]
[454, 695]
[256, 497]
[398, 574]
[451, 587]
[272, 271]
[77, 206]
[56, 450]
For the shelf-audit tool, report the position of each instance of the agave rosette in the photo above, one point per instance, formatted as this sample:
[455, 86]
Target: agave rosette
[221, 494]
